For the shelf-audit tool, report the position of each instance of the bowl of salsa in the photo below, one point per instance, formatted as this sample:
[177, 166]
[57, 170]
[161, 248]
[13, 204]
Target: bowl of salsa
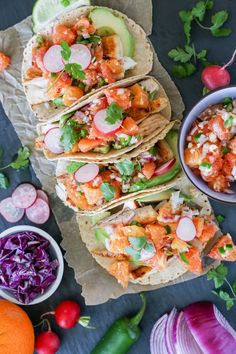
[207, 145]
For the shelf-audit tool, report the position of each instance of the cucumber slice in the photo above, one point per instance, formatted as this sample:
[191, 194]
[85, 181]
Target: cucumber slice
[45, 11]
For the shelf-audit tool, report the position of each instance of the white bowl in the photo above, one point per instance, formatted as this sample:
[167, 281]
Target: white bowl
[54, 251]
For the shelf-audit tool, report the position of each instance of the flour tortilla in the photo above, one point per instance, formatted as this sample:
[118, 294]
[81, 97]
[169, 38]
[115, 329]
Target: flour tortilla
[150, 126]
[36, 89]
[174, 269]
[61, 191]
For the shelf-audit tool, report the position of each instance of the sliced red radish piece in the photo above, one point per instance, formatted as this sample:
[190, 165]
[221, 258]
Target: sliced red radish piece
[42, 195]
[186, 230]
[165, 168]
[157, 339]
[52, 60]
[103, 126]
[24, 195]
[87, 173]
[184, 341]
[10, 212]
[39, 212]
[52, 141]
[80, 54]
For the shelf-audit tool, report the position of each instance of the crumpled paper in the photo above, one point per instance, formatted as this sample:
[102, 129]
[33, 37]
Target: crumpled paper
[97, 285]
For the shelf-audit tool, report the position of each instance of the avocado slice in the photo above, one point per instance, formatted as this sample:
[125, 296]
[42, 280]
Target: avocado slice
[102, 149]
[172, 140]
[157, 197]
[106, 23]
[101, 235]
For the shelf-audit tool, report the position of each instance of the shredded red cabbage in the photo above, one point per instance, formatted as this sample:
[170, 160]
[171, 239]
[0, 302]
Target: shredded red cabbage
[26, 268]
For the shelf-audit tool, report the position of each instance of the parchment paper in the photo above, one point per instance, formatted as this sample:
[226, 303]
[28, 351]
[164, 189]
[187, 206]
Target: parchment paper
[97, 285]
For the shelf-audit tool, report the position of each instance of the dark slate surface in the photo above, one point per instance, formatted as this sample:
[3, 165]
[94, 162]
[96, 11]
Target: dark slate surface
[166, 34]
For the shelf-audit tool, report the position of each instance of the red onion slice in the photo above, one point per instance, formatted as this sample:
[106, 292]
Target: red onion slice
[223, 322]
[211, 336]
[186, 230]
[87, 173]
[165, 168]
[184, 342]
[169, 329]
[103, 126]
[157, 339]
[52, 59]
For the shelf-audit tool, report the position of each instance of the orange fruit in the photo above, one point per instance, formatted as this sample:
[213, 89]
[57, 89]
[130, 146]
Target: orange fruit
[16, 330]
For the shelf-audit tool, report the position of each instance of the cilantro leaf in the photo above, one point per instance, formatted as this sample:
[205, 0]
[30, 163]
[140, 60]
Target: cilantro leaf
[209, 4]
[74, 166]
[183, 70]
[66, 51]
[75, 71]
[114, 113]
[4, 181]
[199, 10]
[39, 39]
[221, 32]
[71, 133]
[138, 242]
[168, 229]
[153, 95]
[125, 167]
[187, 18]
[92, 39]
[22, 159]
[220, 218]
[218, 275]
[182, 55]
[229, 121]
[225, 149]
[149, 247]
[218, 19]
[153, 150]
[108, 191]
[226, 297]
[133, 253]
[64, 119]
[58, 102]
[65, 3]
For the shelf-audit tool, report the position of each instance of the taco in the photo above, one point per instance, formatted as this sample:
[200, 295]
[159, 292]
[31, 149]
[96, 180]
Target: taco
[89, 188]
[110, 123]
[153, 243]
[80, 52]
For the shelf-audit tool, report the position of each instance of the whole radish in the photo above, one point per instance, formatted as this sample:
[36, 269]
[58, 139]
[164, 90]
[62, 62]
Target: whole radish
[67, 315]
[47, 343]
[216, 76]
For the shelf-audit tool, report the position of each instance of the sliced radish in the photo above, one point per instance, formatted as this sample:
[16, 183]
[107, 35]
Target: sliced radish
[165, 168]
[87, 173]
[103, 126]
[52, 141]
[39, 212]
[186, 230]
[52, 59]
[42, 195]
[80, 54]
[24, 195]
[10, 212]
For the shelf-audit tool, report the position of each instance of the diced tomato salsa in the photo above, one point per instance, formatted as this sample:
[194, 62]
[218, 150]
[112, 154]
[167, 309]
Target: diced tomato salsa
[211, 146]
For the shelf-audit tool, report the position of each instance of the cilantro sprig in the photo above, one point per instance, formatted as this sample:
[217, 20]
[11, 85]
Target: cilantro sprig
[125, 167]
[75, 71]
[21, 161]
[186, 56]
[218, 275]
[71, 131]
[108, 191]
[114, 113]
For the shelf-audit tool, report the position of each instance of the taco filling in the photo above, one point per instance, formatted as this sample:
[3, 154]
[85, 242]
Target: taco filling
[74, 60]
[109, 122]
[143, 240]
[90, 186]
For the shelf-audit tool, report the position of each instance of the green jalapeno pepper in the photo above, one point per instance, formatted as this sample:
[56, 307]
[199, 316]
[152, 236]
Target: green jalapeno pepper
[122, 334]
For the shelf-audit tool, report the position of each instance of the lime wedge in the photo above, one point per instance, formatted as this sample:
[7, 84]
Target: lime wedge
[45, 11]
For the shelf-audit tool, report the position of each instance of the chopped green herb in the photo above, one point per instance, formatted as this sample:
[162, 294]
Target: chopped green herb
[229, 247]
[4, 181]
[149, 247]
[134, 222]
[221, 250]
[71, 134]
[225, 149]
[125, 167]
[101, 235]
[92, 39]
[39, 39]
[229, 121]
[114, 113]
[138, 242]
[137, 186]
[218, 275]
[74, 166]
[108, 191]
[153, 95]
[226, 297]
[125, 141]
[64, 119]
[53, 75]
[66, 51]
[197, 137]
[168, 229]
[75, 71]
[153, 150]
[184, 257]
[65, 3]
[102, 82]
[220, 218]
[58, 102]
[206, 164]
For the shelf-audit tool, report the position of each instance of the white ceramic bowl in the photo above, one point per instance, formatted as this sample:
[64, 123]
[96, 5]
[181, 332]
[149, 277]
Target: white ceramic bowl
[54, 251]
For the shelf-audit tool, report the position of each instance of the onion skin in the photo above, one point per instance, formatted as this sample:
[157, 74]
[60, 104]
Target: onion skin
[210, 335]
